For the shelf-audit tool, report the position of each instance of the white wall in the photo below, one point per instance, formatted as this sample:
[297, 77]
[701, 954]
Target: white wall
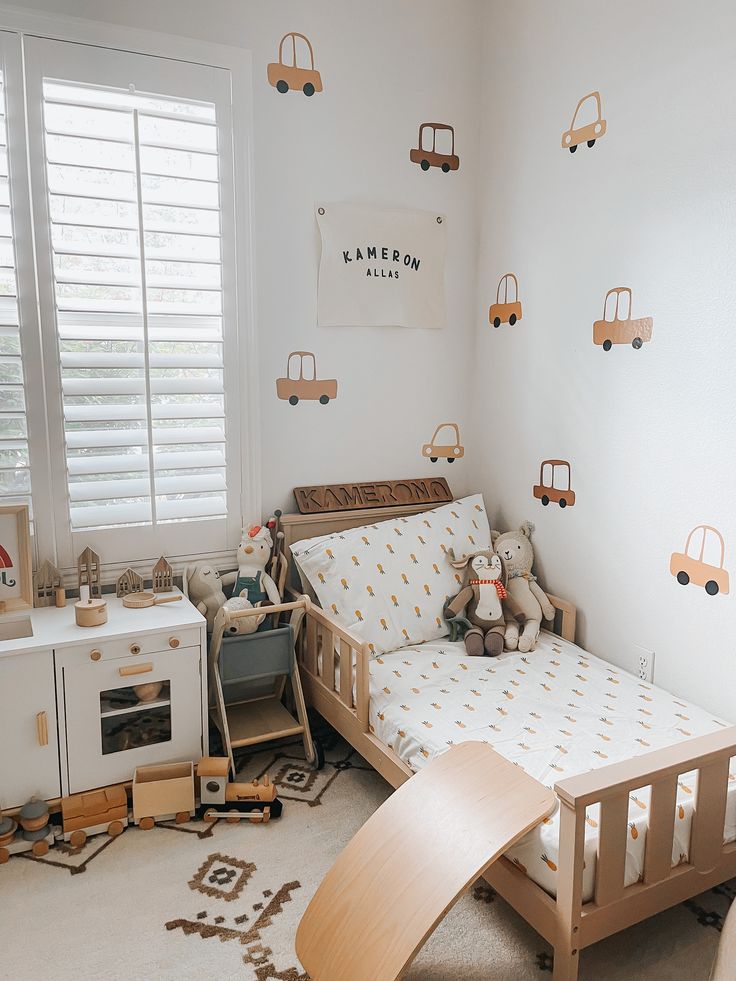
[386, 67]
[650, 434]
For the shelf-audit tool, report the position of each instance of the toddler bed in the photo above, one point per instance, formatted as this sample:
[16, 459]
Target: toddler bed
[645, 783]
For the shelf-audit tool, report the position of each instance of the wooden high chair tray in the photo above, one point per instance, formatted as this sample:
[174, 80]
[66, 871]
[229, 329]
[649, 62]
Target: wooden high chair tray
[413, 859]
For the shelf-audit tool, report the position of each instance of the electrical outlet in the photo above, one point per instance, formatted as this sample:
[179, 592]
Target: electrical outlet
[644, 663]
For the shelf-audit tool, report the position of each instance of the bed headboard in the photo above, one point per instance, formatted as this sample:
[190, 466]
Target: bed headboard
[297, 527]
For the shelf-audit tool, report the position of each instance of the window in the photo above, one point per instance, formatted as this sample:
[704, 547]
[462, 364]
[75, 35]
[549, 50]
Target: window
[15, 472]
[131, 182]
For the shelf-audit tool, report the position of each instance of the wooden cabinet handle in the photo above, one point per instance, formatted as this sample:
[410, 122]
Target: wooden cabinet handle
[173, 641]
[135, 669]
[135, 648]
[42, 729]
[95, 655]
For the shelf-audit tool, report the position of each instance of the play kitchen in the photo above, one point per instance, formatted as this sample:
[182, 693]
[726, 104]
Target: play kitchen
[92, 691]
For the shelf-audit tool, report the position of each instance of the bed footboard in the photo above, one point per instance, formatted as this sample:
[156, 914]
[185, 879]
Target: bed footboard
[616, 906]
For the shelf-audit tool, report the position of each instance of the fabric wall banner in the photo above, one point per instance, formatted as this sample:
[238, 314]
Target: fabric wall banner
[380, 267]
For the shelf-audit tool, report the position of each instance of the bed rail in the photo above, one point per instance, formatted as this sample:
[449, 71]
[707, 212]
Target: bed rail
[323, 636]
[661, 885]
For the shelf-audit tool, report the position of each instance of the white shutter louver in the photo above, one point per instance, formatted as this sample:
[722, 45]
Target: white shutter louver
[15, 475]
[134, 204]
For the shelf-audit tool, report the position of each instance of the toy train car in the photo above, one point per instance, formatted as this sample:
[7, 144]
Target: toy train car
[30, 833]
[96, 812]
[163, 792]
[255, 802]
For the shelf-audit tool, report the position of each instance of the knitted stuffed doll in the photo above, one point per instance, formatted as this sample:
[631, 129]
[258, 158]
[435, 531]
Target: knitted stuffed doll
[252, 581]
[481, 600]
[527, 599]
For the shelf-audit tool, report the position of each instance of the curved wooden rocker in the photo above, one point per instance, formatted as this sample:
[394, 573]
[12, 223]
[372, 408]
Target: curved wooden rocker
[413, 859]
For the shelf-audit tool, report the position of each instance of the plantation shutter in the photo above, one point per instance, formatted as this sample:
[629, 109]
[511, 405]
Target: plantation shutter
[15, 473]
[136, 182]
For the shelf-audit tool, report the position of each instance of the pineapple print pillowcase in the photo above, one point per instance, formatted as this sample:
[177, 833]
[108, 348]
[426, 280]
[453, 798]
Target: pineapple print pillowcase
[388, 582]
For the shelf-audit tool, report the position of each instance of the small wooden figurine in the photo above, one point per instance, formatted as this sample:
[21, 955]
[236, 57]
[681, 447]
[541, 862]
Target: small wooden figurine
[94, 813]
[46, 580]
[128, 582]
[162, 577]
[88, 571]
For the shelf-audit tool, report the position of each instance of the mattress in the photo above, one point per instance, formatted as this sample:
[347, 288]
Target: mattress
[556, 712]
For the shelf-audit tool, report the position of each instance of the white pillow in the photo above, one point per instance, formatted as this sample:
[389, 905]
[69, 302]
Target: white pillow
[388, 582]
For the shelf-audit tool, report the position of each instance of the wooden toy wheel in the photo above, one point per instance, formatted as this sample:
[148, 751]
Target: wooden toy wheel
[210, 818]
[116, 828]
[77, 838]
[146, 823]
[233, 817]
[182, 817]
[319, 754]
[40, 848]
[4, 855]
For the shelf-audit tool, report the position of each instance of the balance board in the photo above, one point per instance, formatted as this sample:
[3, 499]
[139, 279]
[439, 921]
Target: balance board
[413, 859]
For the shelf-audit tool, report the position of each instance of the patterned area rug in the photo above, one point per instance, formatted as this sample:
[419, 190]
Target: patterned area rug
[188, 902]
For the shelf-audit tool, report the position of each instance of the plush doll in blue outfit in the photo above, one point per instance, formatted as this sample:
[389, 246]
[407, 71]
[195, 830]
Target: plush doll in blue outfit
[253, 582]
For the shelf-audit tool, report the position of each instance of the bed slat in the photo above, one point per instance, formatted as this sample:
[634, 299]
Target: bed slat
[346, 674]
[661, 830]
[311, 655]
[706, 839]
[614, 825]
[328, 658]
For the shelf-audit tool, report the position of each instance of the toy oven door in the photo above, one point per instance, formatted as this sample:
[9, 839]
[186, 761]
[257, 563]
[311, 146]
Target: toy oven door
[128, 712]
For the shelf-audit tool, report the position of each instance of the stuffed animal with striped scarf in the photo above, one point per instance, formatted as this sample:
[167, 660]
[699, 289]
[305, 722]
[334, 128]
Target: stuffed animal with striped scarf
[481, 601]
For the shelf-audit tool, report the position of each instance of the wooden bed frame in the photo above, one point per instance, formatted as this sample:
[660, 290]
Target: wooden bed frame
[567, 923]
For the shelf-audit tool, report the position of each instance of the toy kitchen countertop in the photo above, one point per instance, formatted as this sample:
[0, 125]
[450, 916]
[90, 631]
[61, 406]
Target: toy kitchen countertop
[53, 627]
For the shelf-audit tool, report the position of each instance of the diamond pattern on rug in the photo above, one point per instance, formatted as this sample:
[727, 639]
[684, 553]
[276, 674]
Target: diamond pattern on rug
[222, 877]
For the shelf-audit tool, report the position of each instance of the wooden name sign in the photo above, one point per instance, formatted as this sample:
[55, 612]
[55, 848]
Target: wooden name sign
[379, 494]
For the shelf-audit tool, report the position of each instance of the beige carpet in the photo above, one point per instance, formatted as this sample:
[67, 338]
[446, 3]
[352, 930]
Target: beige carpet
[187, 904]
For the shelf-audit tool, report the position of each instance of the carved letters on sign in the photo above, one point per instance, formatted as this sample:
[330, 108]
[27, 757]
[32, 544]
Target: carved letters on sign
[378, 494]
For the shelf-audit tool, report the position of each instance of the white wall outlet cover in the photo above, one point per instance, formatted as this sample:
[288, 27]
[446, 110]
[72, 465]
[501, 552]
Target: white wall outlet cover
[644, 666]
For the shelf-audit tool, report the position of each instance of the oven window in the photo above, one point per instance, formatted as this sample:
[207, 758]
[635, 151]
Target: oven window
[136, 716]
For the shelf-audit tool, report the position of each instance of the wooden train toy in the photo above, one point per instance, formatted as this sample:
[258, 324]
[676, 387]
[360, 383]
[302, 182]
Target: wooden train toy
[159, 793]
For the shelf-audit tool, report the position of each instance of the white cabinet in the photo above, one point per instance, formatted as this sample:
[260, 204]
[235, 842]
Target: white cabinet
[130, 711]
[81, 708]
[29, 742]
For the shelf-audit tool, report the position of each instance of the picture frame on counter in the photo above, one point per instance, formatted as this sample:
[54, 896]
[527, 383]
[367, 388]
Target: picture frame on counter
[16, 575]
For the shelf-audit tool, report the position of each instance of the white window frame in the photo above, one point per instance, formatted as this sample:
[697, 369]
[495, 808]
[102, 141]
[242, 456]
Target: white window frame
[238, 62]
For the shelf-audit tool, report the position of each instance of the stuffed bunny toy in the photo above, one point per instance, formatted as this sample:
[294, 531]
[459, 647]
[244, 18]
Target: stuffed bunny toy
[243, 625]
[527, 600]
[481, 598]
[252, 581]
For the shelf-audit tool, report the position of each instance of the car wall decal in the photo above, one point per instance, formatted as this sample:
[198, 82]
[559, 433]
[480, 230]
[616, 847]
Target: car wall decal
[587, 132]
[506, 310]
[617, 325]
[689, 567]
[287, 74]
[554, 485]
[429, 156]
[301, 382]
[444, 443]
